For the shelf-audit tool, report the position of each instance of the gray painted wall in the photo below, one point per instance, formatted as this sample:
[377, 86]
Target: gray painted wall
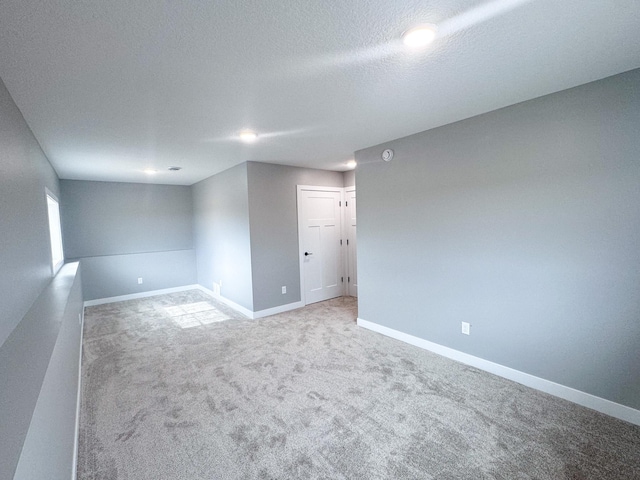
[110, 218]
[123, 231]
[48, 448]
[349, 178]
[221, 234]
[117, 275]
[39, 377]
[524, 222]
[274, 229]
[25, 255]
[39, 328]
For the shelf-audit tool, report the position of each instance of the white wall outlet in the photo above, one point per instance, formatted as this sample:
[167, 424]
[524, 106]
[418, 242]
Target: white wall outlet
[466, 328]
[284, 289]
[139, 280]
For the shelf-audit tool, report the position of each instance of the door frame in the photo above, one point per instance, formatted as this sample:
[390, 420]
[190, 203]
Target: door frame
[348, 286]
[316, 188]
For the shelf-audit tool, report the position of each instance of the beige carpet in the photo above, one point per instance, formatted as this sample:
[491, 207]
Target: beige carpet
[181, 387]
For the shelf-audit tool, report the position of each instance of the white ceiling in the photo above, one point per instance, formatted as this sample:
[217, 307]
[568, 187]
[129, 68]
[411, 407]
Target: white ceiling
[112, 87]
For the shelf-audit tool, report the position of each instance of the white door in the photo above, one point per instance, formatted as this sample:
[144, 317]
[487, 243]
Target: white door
[319, 220]
[350, 233]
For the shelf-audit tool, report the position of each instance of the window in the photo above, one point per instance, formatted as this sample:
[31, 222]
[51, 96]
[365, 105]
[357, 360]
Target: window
[55, 232]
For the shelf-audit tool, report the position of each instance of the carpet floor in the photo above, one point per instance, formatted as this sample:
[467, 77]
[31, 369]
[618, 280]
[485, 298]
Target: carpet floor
[179, 386]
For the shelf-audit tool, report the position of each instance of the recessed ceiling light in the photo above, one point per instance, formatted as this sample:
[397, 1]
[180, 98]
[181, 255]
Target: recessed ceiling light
[150, 171]
[352, 164]
[420, 36]
[248, 136]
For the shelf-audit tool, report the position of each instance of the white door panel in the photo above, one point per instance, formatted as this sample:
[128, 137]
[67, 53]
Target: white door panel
[320, 223]
[332, 267]
[313, 275]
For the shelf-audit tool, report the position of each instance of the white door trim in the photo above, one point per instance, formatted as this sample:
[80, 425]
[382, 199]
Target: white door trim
[348, 285]
[314, 188]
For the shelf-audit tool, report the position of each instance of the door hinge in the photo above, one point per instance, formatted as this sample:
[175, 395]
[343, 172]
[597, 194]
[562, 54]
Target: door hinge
[342, 279]
[340, 241]
[340, 203]
[347, 241]
[346, 204]
[348, 279]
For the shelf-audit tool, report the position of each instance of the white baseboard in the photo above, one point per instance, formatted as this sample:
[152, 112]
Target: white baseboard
[78, 401]
[238, 308]
[249, 313]
[599, 404]
[133, 296]
[275, 310]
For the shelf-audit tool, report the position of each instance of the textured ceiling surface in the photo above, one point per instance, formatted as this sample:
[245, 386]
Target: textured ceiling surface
[111, 88]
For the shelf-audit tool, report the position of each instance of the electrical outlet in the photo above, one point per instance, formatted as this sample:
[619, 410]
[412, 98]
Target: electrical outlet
[139, 280]
[466, 328]
[284, 289]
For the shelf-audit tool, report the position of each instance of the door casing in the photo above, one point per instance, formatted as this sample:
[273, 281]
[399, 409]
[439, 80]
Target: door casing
[343, 231]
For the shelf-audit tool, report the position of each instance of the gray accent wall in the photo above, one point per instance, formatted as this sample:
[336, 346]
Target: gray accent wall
[39, 378]
[110, 218]
[116, 275]
[524, 222]
[49, 444]
[246, 231]
[349, 178]
[25, 252]
[274, 228]
[221, 234]
[123, 231]
[39, 327]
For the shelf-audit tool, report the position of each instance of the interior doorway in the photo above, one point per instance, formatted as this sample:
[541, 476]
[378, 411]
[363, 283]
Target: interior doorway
[325, 236]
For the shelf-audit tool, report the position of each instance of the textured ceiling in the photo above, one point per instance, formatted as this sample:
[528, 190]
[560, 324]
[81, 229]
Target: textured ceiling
[112, 87]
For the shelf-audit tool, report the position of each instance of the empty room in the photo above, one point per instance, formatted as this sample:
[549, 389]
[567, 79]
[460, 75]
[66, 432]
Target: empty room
[189, 290]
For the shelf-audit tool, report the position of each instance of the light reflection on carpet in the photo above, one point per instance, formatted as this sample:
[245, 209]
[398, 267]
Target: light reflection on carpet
[195, 314]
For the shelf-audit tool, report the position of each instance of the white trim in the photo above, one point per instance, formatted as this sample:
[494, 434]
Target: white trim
[230, 303]
[238, 308]
[279, 309]
[299, 203]
[48, 194]
[576, 396]
[133, 296]
[249, 313]
[303, 295]
[78, 402]
[346, 264]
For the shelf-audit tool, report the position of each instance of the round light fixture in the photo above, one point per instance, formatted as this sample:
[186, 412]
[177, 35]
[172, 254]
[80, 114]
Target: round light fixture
[150, 171]
[351, 164]
[387, 155]
[248, 136]
[420, 36]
